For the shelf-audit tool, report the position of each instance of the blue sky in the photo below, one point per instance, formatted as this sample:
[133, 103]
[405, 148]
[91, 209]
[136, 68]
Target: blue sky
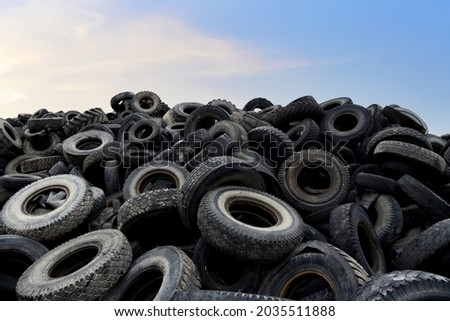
[66, 55]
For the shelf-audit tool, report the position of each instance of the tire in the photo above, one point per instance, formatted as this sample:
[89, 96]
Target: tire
[317, 271]
[222, 272]
[42, 147]
[14, 165]
[404, 117]
[147, 102]
[424, 159]
[350, 123]
[214, 172]
[91, 116]
[387, 218]
[407, 285]
[204, 117]
[429, 251]
[377, 183]
[335, 103]
[146, 132]
[226, 105]
[175, 131]
[24, 215]
[210, 295]
[271, 143]
[325, 182]
[157, 275]
[118, 101]
[126, 123]
[247, 121]
[14, 182]
[39, 164]
[402, 134]
[152, 219]
[147, 178]
[436, 207]
[180, 112]
[297, 110]
[303, 132]
[9, 138]
[353, 232]
[17, 253]
[77, 147]
[248, 224]
[257, 103]
[236, 132]
[83, 269]
[49, 123]
[436, 142]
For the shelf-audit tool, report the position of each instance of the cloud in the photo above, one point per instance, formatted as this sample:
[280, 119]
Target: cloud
[73, 54]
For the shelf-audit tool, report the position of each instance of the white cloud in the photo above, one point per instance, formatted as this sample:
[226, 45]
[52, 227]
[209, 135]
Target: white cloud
[72, 54]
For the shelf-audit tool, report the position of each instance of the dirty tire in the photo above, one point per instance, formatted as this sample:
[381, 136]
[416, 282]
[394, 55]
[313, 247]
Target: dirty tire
[83, 269]
[157, 275]
[353, 232]
[23, 215]
[316, 271]
[248, 224]
[406, 285]
[211, 295]
[80, 120]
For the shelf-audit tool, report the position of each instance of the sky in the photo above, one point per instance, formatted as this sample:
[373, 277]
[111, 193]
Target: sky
[65, 55]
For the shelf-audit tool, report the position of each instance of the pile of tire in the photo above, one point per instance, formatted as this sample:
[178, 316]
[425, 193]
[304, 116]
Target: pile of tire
[308, 201]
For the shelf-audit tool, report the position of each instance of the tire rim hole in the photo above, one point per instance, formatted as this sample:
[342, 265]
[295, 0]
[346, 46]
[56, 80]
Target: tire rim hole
[45, 201]
[144, 131]
[10, 133]
[308, 286]
[88, 144]
[224, 269]
[146, 103]
[314, 180]
[189, 109]
[149, 182]
[252, 214]
[345, 122]
[145, 287]
[14, 263]
[74, 261]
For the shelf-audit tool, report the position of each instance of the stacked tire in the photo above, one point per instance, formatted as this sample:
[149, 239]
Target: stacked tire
[307, 201]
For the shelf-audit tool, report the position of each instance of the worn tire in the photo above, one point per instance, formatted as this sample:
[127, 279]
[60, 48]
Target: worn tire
[248, 224]
[23, 215]
[84, 268]
[157, 275]
[77, 147]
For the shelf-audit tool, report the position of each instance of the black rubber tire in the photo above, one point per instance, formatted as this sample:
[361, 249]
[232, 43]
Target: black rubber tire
[235, 131]
[14, 182]
[157, 275]
[247, 121]
[118, 101]
[147, 102]
[436, 142]
[146, 132]
[180, 112]
[60, 168]
[352, 231]
[174, 132]
[257, 103]
[249, 224]
[77, 147]
[14, 165]
[404, 117]
[350, 123]
[214, 172]
[315, 271]
[271, 143]
[134, 156]
[377, 183]
[387, 218]
[402, 134]
[429, 251]
[145, 178]
[226, 105]
[17, 253]
[151, 219]
[210, 295]
[193, 143]
[407, 285]
[39, 164]
[325, 180]
[335, 102]
[42, 147]
[424, 159]
[9, 138]
[83, 269]
[23, 215]
[49, 123]
[222, 272]
[90, 116]
[436, 207]
[299, 109]
[303, 132]
[204, 117]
